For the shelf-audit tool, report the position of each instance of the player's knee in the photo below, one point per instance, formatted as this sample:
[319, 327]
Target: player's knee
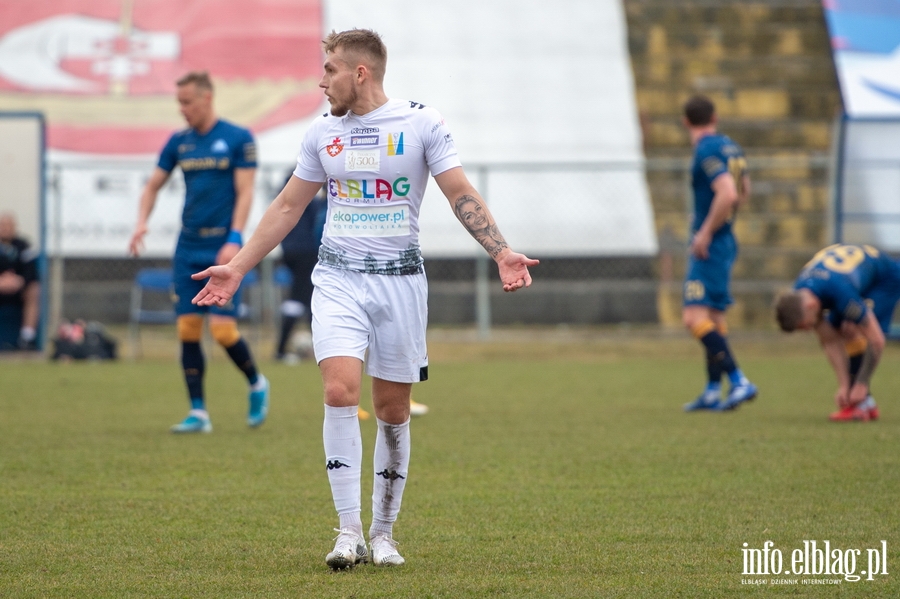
[338, 393]
[190, 327]
[225, 332]
[700, 328]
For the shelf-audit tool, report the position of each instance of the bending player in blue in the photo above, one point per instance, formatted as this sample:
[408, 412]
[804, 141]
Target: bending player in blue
[847, 295]
[218, 160]
[720, 184]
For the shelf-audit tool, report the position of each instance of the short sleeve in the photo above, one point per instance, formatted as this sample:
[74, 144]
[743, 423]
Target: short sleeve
[245, 153]
[440, 149]
[168, 158]
[309, 165]
[713, 165]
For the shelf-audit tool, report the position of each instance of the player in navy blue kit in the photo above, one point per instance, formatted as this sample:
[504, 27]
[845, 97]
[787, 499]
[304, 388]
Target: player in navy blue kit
[218, 160]
[847, 295]
[720, 183]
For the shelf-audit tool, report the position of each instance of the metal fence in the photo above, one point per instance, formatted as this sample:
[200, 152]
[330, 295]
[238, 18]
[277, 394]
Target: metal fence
[597, 276]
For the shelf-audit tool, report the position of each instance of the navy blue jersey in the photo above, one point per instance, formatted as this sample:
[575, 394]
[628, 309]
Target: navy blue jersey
[714, 155]
[843, 277]
[208, 162]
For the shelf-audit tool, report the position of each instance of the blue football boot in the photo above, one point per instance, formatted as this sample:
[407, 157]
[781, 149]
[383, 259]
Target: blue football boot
[743, 391]
[259, 404]
[197, 421]
[708, 400]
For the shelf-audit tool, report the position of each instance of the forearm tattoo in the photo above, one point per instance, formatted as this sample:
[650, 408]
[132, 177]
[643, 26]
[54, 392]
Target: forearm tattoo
[472, 213]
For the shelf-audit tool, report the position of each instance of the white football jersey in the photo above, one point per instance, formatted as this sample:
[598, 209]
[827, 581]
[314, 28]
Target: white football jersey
[376, 167]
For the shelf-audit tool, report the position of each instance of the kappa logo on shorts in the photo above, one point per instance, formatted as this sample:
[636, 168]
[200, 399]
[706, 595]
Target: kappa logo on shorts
[335, 464]
[335, 147]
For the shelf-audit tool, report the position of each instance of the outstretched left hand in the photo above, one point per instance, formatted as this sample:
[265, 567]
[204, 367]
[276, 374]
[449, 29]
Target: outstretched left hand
[222, 285]
[514, 271]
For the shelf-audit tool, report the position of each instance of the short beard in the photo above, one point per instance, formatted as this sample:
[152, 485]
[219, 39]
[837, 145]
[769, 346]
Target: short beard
[344, 107]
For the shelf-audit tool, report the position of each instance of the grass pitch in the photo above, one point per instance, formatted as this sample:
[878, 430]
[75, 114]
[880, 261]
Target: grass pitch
[551, 465]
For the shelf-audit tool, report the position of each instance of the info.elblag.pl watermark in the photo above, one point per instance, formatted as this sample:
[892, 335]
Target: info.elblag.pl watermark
[828, 564]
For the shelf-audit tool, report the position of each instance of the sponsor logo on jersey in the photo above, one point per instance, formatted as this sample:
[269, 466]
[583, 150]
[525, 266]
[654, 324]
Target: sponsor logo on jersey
[203, 164]
[395, 144]
[363, 140]
[362, 160]
[219, 146]
[369, 221]
[335, 147]
[368, 189]
[364, 130]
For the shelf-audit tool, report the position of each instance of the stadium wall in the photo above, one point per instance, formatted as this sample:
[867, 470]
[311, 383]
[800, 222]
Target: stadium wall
[767, 65]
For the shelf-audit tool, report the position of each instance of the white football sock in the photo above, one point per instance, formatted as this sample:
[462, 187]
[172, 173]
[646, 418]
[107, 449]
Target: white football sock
[392, 449]
[343, 459]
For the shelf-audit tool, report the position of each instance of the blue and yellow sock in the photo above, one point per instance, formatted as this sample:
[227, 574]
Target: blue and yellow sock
[194, 365]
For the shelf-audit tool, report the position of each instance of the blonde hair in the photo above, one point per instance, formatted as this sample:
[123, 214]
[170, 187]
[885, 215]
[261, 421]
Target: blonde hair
[362, 45]
[199, 78]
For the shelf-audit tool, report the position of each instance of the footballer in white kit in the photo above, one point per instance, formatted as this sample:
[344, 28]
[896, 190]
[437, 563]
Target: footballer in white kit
[369, 305]
[376, 168]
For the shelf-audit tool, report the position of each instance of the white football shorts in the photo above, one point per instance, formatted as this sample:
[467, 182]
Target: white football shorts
[379, 319]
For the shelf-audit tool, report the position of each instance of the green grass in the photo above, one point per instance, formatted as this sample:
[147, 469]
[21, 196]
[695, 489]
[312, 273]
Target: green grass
[549, 466]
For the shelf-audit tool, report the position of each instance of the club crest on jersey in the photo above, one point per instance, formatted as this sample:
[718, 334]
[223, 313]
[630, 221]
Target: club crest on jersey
[395, 144]
[335, 147]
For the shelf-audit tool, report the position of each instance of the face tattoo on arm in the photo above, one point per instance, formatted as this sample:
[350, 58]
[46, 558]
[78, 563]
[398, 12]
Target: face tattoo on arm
[470, 212]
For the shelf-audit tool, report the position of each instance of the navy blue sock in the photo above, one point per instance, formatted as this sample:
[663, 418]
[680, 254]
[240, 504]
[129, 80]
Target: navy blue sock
[713, 371]
[240, 355]
[718, 353]
[194, 365]
[855, 364]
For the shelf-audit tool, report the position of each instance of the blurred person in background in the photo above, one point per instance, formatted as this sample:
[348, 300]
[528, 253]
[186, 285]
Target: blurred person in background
[299, 253]
[847, 295]
[20, 289]
[720, 184]
[369, 308]
[218, 160]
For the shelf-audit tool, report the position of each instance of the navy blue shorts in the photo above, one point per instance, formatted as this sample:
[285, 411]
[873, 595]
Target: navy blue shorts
[707, 282]
[192, 256]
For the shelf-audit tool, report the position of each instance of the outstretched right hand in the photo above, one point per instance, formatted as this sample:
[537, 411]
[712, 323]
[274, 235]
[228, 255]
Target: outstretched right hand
[223, 283]
[136, 245]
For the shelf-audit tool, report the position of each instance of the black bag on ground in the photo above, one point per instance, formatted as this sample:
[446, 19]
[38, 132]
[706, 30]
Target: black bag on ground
[80, 341]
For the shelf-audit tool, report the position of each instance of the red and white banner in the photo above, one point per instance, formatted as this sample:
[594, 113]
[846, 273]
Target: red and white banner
[103, 72]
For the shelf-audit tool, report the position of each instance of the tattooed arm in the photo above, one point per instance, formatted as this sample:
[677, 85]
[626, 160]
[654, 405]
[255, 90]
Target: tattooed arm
[472, 211]
[477, 219]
